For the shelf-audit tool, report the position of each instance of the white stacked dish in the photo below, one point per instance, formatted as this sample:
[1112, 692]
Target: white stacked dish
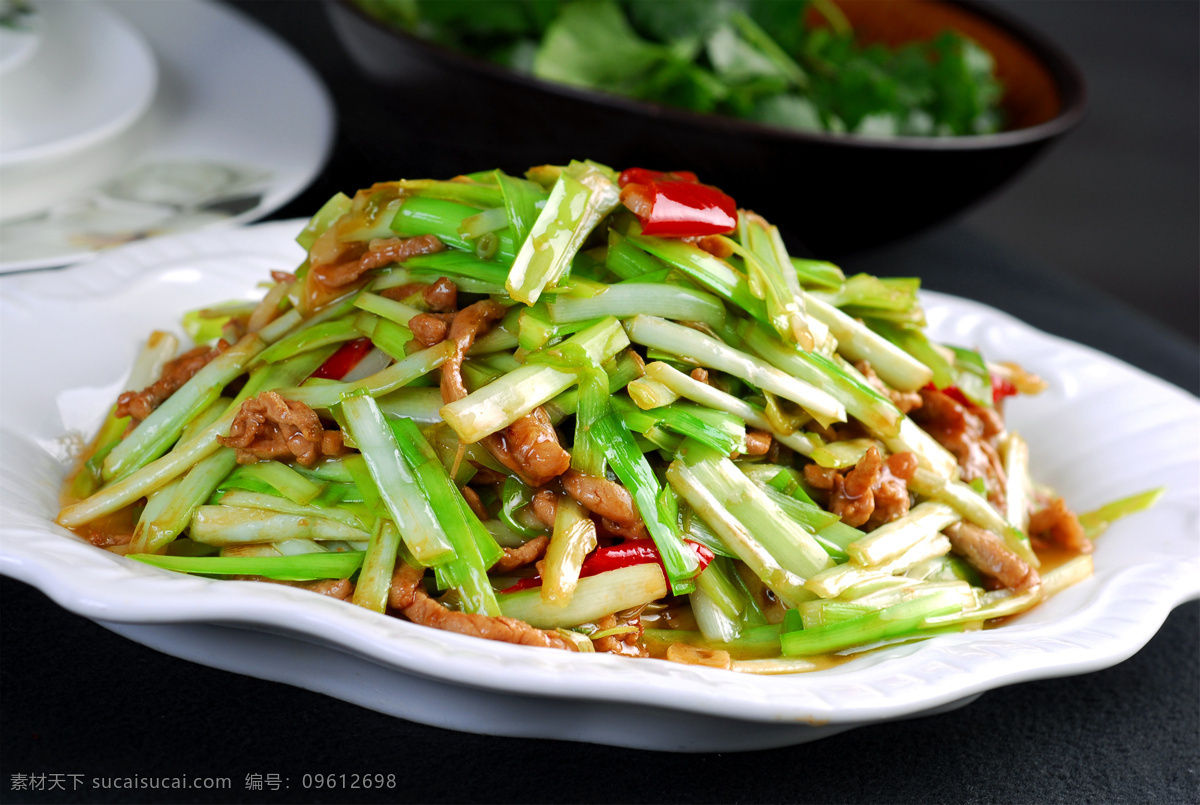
[76, 80]
[200, 127]
[20, 34]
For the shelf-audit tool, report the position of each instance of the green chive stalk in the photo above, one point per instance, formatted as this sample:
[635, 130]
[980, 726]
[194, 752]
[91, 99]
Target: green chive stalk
[715, 624]
[714, 398]
[351, 515]
[399, 489]
[507, 399]
[680, 420]
[155, 435]
[773, 279]
[864, 403]
[475, 193]
[711, 272]
[419, 215]
[974, 508]
[536, 328]
[789, 541]
[894, 538]
[184, 455]
[588, 451]
[386, 308]
[818, 273]
[515, 497]
[594, 597]
[573, 539]
[628, 299]
[857, 342]
[914, 341]
[336, 331]
[715, 583]
[756, 641]
[286, 481]
[676, 339]
[1018, 488]
[864, 294]
[648, 394]
[418, 404]
[631, 467]
[396, 376]
[375, 579]
[327, 216]
[388, 336]
[474, 549]
[227, 525]
[627, 261]
[830, 532]
[900, 620]
[482, 223]
[1095, 522]
[837, 580]
[576, 206]
[523, 200]
[458, 267]
[155, 530]
[305, 567]
[1006, 603]
[745, 544]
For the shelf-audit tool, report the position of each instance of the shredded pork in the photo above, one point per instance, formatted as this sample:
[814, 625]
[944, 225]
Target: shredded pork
[440, 296]
[527, 554]
[971, 433]
[140, 404]
[627, 644]
[407, 595]
[473, 500]
[430, 328]
[758, 442]
[1058, 525]
[987, 553]
[350, 265]
[529, 446]
[906, 401]
[608, 499]
[545, 506]
[874, 492]
[268, 427]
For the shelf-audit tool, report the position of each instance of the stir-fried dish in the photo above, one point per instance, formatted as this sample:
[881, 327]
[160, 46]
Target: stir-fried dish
[588, 411]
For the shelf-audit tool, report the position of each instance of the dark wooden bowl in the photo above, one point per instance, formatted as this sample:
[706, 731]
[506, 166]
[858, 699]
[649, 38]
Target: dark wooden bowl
[835, 194]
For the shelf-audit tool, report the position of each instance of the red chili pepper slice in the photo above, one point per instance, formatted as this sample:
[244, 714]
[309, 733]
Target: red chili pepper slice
[628, 553]
[644, 176]
[1001, 387]
[676, 205]
[524, 584]
[339, 364]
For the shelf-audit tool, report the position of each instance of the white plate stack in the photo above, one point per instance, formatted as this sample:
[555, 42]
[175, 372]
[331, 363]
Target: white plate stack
[75, 81]
[125, 120]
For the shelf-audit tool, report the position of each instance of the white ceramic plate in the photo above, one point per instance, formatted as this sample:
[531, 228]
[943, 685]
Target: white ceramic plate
[239, 126]
[1103, 430]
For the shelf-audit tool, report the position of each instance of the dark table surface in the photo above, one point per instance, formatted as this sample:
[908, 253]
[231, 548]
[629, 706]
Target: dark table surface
[78, 702]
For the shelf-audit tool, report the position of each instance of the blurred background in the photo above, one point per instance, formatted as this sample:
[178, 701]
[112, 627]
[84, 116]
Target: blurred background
[1117, 203]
